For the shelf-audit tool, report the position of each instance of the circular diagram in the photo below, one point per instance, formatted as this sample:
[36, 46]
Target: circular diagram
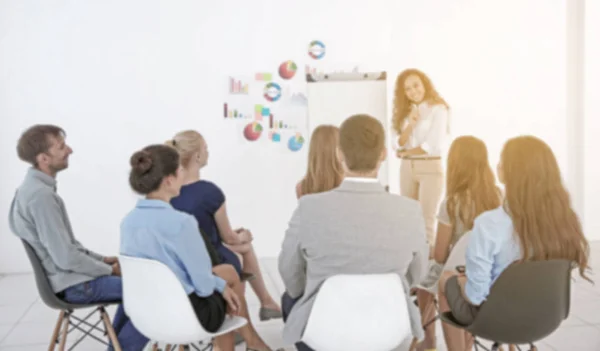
[253, 131]
[316, 49]
[272, 91]
[287, 70]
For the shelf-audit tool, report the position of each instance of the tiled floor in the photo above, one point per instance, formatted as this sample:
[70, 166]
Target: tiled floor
[26, 324]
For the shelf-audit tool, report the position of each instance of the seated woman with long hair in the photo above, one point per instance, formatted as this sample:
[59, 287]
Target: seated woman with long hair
[535, 223]
[206, 202]
[470, 190]
[324, 171]
[155, 230]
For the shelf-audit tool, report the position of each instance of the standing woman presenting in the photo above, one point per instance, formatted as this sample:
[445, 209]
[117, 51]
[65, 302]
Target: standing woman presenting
[421, 122]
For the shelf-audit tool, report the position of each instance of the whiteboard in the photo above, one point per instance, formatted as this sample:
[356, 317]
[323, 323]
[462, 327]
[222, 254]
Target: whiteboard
[333, 97]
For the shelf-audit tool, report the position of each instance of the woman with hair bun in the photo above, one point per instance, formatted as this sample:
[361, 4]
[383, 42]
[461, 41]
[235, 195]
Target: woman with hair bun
[155, 230]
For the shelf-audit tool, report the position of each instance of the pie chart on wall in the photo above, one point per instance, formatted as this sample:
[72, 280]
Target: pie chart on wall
[295, 143]
[253, 131]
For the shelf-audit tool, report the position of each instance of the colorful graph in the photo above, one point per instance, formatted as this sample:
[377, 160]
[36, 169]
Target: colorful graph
[274, 124]
[265, 77]
[237, 87]
[234, 113]
[316, 49]
[261, 112]
[274, 136]
[272, 91]
[253, 131]
[295, 142]
[287, 70]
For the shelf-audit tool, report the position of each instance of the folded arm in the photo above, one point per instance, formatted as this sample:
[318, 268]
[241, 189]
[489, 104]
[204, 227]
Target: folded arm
[437, 132]
[228, 235]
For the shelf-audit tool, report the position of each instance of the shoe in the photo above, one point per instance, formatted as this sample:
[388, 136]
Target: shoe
[268, 313]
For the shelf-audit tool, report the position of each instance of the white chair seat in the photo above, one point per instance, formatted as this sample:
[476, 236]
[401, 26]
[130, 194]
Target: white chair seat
[358, 313]
[158, 306]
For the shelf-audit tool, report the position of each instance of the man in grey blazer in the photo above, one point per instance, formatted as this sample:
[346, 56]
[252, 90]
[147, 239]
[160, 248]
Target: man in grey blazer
[358, 228]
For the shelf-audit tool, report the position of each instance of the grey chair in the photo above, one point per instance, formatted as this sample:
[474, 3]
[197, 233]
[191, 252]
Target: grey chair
[528, 302]
[67, 321]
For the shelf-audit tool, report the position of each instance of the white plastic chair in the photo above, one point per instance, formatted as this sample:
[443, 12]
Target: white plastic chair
[357, 313]
[158, 306]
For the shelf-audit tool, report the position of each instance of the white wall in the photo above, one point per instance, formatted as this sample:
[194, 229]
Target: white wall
[119, 75]
[591, 139]
[499, 64]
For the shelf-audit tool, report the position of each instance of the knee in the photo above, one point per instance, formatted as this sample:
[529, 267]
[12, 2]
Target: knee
[228, 273]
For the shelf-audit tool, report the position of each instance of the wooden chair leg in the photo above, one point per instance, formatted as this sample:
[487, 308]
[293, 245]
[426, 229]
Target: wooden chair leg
[109, 328]
[57, 328]
[65, 330]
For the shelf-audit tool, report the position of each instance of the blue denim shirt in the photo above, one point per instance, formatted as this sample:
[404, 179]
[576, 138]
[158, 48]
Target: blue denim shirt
[492, 247]
[155, 230]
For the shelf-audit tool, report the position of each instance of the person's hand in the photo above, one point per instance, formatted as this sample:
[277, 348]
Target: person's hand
[246, 236]
[233, 301]
[414, 116]
[116, 269]
[110, 260]
[401, 153]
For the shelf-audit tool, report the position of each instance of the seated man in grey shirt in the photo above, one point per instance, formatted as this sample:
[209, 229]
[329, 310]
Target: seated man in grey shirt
[358, 228]
[38, 215]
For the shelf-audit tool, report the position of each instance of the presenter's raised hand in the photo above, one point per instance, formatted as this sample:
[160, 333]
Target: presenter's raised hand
[414, 116]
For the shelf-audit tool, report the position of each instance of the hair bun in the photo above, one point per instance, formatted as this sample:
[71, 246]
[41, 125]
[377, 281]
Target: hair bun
[141, 162]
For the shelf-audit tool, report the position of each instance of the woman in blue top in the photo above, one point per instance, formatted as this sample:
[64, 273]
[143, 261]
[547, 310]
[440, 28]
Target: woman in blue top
[536, 223]
[155, 230]
[205, 201]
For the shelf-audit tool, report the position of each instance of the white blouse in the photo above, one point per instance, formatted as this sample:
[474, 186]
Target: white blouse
[431, 131]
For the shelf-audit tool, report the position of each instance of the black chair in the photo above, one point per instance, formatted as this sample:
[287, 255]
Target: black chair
[67, 322]
[527, 303]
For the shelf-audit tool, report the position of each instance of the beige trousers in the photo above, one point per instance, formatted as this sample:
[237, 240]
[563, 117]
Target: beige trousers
[423, 180]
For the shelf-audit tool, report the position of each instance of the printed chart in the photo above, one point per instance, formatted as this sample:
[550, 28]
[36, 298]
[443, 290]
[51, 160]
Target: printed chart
[271, 106]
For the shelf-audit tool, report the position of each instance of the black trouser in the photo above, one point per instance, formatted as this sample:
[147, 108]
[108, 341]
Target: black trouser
[287, 303]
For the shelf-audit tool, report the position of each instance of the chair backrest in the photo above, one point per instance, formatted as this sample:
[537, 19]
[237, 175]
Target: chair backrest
[156, 302]
[526, 303]
[41, 280]
[457, 256]
[357, 313]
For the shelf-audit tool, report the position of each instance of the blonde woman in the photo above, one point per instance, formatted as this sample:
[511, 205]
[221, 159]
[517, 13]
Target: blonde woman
[324, 171]
[421, 121]
[206, 201]
[535, 223]
[470, 190]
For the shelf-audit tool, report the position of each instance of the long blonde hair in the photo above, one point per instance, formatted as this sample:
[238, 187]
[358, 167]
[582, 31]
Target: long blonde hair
[402, 104]
[187, 143]
[470, 183]
[539, 205]
[324, 170]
